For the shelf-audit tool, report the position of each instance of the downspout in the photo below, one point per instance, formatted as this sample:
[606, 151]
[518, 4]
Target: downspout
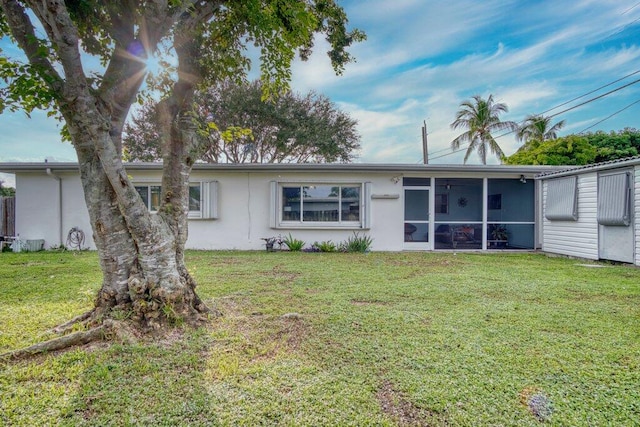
[57, 178]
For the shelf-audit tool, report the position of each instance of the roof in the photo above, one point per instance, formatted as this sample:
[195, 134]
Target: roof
[17, 167]
[594, 167]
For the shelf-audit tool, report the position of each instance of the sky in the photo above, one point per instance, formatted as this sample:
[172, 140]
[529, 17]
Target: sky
[423, 58]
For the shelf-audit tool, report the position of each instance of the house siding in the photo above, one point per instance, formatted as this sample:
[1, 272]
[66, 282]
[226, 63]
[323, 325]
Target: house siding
[575, 238]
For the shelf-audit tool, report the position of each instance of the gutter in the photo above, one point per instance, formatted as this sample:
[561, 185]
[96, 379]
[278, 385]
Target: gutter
[57, 178]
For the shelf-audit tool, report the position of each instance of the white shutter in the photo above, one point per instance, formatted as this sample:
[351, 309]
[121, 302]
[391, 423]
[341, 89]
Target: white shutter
[273, 204]
[210, 200]
[366, 206]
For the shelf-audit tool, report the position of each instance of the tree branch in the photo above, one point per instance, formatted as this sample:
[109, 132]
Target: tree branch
[63, 33]
[24, 33]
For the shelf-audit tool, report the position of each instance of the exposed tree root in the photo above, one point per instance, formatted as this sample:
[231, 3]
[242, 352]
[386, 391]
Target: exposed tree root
[60, 343]
[108, 329]
[67, 326]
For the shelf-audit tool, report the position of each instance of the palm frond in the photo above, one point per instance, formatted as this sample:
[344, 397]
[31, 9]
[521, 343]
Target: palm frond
[480, 117]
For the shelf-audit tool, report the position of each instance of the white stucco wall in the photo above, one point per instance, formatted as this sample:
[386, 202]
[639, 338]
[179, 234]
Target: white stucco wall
[575, 238]
[38, 208]
[243, 210]
[244, 202]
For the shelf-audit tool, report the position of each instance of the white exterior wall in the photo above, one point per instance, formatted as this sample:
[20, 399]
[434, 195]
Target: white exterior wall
[39, 203]
[243, 205]
[575, 238]
[244, 202]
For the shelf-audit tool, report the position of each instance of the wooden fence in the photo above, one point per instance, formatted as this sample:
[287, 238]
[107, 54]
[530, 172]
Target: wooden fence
[7, 216]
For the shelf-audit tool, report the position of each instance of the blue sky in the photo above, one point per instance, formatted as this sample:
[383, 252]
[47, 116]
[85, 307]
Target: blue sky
[423, 58]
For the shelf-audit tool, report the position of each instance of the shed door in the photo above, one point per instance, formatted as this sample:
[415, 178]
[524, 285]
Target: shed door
[615, 216]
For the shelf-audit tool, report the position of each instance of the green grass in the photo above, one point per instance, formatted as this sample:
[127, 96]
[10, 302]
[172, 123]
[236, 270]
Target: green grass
[369, 339]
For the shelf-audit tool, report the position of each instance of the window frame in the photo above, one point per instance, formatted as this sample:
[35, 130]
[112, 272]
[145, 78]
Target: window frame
[208, 198]
[277, 211]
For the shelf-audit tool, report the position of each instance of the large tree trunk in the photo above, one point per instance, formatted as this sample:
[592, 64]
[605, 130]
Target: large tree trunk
[141, 254]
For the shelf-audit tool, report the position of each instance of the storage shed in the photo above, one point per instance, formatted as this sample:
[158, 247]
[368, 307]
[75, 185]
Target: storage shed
[592, 211]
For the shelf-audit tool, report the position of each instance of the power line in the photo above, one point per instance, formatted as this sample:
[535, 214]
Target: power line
[562, 104]
[623, 27]
[632, 7]
[608, 117]
[588, 101]
[590, 92]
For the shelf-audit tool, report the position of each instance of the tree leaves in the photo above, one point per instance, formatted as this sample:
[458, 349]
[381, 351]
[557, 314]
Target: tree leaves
[238, 126]
[480, 117]
[579, 149]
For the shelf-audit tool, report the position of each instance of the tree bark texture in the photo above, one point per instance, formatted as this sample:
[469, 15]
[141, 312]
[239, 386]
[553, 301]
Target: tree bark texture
[141, 254]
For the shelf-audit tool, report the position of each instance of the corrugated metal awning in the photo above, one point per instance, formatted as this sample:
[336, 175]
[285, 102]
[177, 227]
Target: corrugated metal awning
[562, 199]
[614, 199]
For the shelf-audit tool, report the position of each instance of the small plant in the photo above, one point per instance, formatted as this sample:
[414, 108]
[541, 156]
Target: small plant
[171, 315]
[270, 243]
[326, 246]
[499, 232]
[294, 245]
[357, 243]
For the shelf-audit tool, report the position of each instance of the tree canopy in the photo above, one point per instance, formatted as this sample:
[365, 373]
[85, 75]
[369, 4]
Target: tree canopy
[615, 145]
[6, 191]
[538, 127]
[87, 61]
[579, 149]
[238, 126]
[480, 117]
[569, 150]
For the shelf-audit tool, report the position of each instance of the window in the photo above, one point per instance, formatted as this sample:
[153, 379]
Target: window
[150, 195]
[614, 199]
[202, 198]
[562, 199]
[195, 200]
[318, 205]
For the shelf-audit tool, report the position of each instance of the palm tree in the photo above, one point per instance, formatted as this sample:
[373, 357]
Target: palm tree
[480, 117]
[537, 127]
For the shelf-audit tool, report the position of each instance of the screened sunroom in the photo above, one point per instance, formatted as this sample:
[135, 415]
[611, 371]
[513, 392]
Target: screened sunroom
[470, 213]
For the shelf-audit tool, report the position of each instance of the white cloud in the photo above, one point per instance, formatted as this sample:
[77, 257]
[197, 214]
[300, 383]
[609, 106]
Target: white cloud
[422, 59]
[8, 180]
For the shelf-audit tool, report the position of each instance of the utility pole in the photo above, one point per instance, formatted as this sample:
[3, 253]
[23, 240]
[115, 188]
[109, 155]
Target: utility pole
[425, 148]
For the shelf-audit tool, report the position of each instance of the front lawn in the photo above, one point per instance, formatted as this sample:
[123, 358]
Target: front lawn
[338, 339]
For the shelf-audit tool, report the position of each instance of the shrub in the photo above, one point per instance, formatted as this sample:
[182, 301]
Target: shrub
[326, 246]
[294, 245]
[357, 243]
